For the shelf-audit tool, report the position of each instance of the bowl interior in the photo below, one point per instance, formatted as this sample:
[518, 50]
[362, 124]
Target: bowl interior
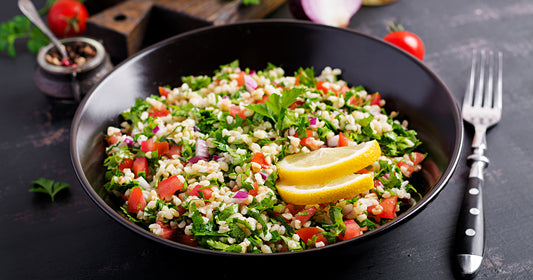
[408, 86]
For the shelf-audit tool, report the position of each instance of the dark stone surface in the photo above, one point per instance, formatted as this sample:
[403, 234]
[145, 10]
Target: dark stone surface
[73, 239]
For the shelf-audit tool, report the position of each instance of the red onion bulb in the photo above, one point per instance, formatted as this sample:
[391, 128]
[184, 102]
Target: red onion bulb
[331, 12]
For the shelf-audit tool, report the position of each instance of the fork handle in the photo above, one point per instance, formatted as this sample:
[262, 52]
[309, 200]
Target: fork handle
[470, 235]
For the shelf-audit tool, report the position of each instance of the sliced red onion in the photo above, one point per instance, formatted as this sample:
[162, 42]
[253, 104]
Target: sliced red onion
[196, 159]
[313, 120]
[129, 141]
[250, 83]
[155, 130]
[291, 131]
[263, 175]
[331, 12]
[216, 157]
[333, 141]
[239, 197]
[201, 148]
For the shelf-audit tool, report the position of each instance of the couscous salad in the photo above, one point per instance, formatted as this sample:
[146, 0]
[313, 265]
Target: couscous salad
[262, 162]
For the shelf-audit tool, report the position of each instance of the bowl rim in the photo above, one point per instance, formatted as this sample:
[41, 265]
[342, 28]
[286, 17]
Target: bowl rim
[404, 217]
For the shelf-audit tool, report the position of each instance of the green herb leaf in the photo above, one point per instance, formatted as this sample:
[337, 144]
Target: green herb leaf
[49, 187]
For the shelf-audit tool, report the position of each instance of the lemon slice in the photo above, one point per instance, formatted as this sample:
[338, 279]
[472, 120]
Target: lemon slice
[343, 187]
[326, 164]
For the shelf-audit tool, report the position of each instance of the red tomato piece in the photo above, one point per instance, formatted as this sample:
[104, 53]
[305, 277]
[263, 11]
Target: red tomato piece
[169, 186]
[293, 209]
[240, 79]
[201, 189]
[173, 150]
[310, 143]
[161, 147]
[260, 159]
[375, 99]
[296, 104]
[355, 101]
[389, 207]
[112, 140]
[167, 232]
[148, 145]
[136, 200]
[306, 214]
[187, 240]
[308, 233]
[237, 111]
[140, 164]
[158, 113]
[406, 168]
[416, 157]
[352, 230]
[126, 163]
[343, 140]
[163, 91]
[320, 86]
[255, 190]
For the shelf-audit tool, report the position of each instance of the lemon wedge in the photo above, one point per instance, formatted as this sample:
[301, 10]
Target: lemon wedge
[327, 164]
[343, 187]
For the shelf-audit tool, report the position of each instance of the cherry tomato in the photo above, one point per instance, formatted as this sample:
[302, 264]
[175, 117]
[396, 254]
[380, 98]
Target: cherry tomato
[406, 40]
[66, 18]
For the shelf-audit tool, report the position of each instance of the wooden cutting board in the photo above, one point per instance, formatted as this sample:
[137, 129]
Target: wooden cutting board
[128, 26]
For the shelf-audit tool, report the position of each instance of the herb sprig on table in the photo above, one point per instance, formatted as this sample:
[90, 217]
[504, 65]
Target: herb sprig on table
[49, 187]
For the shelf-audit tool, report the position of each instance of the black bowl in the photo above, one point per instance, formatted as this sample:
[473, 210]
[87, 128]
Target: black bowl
[407, 84]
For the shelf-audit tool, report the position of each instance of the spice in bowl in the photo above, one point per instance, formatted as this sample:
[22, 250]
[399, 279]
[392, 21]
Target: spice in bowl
[79, 53]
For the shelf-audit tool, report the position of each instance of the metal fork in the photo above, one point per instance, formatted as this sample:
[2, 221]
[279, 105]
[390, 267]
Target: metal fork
[482, 107]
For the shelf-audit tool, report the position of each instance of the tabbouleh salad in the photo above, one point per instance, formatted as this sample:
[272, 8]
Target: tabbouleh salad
[197, 164]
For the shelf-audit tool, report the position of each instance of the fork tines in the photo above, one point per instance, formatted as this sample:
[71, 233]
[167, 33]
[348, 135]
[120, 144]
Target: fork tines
[481, 93]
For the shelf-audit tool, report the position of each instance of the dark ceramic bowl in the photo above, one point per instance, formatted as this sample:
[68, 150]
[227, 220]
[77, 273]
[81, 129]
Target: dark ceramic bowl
[407, 84]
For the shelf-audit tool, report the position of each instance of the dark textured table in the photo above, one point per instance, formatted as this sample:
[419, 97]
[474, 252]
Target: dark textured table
[72, 239]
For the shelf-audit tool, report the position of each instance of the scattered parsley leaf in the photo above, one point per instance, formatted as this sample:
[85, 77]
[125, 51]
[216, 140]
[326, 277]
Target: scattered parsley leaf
[49, 187]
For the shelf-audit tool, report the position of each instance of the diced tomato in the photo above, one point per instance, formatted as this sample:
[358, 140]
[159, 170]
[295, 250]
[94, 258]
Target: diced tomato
[293, 209]
[343, 140]
[112, 140]
[161, 147]
[126, 163]
[375, 99]
[255, 190]
[352, 230]
[389, 207]
[187, 240]
[201, 189]
[296, 104]
[260, 159]
[365, 170]
[136, 200]
[378, 183]
[167, 232]
[308, 233]
[140, 164]
[169, 186]
[150, 145]
[342, 91]
[416, 158]
[240, 79]
[237, 111]
[173, 150]
[163, 91]
[406, 168]
[310, 143]
[320, 86]
[306, 214]
[158, 113]
[355, 101]
[263, 100]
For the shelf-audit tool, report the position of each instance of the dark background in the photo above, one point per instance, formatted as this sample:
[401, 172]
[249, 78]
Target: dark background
[73, 239]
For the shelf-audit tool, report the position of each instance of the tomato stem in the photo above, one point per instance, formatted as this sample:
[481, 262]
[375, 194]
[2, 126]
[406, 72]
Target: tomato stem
[394, 26]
